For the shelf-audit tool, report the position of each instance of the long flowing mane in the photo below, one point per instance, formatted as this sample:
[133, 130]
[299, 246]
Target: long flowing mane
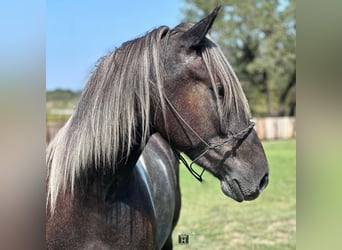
[102, 127]
[117, 101]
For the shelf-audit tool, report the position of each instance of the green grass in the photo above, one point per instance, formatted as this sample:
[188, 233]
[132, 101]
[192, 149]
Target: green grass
[214, 221]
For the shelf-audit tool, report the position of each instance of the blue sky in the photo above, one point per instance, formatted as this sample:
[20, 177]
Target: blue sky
[78, 33]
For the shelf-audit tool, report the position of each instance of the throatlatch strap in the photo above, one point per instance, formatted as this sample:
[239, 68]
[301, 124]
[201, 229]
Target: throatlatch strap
[189, 167]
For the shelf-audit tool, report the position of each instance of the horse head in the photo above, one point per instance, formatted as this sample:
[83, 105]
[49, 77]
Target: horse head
[206, 114]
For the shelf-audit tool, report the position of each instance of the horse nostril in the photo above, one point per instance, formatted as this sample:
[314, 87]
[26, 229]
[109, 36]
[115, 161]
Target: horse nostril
[263, 182]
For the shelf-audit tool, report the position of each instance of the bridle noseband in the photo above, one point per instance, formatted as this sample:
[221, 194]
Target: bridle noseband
[232, 138]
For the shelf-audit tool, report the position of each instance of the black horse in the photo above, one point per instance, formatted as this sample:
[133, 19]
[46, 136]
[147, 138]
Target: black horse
[176, 82]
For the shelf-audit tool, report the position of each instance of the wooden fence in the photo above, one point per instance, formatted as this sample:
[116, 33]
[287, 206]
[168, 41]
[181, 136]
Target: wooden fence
[269, 128]
[273, 128]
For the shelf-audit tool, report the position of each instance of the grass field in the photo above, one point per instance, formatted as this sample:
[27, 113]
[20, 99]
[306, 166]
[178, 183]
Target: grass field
[214, 221]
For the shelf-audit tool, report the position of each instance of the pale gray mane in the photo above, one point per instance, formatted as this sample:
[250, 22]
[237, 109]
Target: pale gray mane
[116, 101]
[219, 69]
[101, 132]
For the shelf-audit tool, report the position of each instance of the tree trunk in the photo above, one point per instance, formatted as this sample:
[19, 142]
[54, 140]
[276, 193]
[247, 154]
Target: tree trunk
[284, 94]
[268, 94]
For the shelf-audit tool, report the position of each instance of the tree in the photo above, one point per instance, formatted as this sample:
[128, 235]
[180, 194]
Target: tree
[259, 39]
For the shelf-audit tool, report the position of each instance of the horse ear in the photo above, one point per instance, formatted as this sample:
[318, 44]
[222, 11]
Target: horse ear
[196, 33]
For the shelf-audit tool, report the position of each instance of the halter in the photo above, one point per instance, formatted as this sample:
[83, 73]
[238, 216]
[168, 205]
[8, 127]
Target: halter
[209, 146]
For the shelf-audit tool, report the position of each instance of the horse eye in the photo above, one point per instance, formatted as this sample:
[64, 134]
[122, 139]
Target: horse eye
[220, 90]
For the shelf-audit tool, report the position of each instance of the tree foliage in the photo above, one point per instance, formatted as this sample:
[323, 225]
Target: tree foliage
[62, 95]
[61, 99]
[259, 39]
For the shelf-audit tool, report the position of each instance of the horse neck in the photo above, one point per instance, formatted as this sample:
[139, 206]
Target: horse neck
[88, 216]
[94, 185]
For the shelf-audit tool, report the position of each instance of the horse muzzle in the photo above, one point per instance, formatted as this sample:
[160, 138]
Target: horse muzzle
[240, 190]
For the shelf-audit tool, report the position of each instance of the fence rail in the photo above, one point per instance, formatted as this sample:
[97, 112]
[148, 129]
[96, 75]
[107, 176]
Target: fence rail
[269, 128]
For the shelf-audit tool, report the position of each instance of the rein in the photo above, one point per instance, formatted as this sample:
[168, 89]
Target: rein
[209, 146]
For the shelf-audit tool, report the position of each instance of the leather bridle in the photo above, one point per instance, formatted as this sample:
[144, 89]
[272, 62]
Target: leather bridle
[231, 138]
